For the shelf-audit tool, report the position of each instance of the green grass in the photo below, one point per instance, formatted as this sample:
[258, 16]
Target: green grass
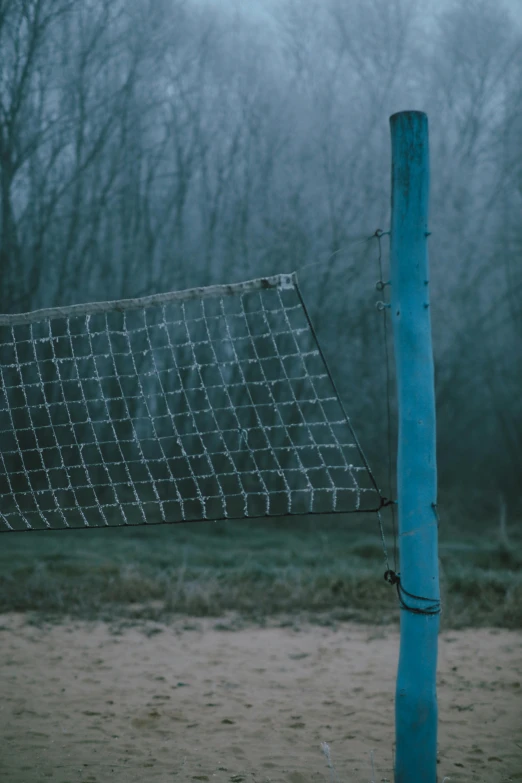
[320, 570]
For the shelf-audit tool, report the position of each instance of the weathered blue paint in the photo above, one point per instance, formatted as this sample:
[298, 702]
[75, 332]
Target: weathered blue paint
[416, 698]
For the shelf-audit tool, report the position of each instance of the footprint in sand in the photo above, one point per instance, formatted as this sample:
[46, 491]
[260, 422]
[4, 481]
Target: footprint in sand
[297, 777]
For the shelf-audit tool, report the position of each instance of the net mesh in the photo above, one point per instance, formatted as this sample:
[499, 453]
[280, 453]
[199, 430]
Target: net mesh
[213, 403]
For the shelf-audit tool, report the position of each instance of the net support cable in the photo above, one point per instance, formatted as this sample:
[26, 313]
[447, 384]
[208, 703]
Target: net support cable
[208, 404]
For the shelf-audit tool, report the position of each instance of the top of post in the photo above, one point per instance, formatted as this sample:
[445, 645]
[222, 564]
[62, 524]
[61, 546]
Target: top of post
[408, 116]
[410, 162]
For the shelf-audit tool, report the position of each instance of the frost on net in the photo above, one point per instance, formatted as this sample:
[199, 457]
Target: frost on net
[213, 403]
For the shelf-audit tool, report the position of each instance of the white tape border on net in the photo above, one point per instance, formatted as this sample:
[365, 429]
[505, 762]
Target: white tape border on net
[281, 282]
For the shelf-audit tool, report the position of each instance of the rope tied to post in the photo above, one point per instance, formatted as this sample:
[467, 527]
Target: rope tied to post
[433, 604]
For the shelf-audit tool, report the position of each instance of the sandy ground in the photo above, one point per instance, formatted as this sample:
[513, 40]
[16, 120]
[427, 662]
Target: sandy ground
[93, 704]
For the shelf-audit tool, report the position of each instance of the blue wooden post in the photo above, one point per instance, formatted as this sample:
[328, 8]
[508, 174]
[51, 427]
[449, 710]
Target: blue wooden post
[418, 586]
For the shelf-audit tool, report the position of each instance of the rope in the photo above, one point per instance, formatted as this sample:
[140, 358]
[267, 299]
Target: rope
[339, 400]
[381, 286]
[432, 605]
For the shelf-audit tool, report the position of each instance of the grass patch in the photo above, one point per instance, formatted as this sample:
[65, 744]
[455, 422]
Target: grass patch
[257, 570]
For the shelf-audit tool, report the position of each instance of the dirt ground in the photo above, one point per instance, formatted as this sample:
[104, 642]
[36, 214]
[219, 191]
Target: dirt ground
[91, 703]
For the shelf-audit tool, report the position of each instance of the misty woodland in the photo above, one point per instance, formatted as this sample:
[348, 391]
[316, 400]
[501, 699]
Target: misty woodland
[154, 145]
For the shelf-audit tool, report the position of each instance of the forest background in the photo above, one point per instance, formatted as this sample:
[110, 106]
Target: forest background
[152, 145]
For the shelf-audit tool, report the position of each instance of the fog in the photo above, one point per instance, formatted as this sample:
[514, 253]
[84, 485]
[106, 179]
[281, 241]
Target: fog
[149, 145]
